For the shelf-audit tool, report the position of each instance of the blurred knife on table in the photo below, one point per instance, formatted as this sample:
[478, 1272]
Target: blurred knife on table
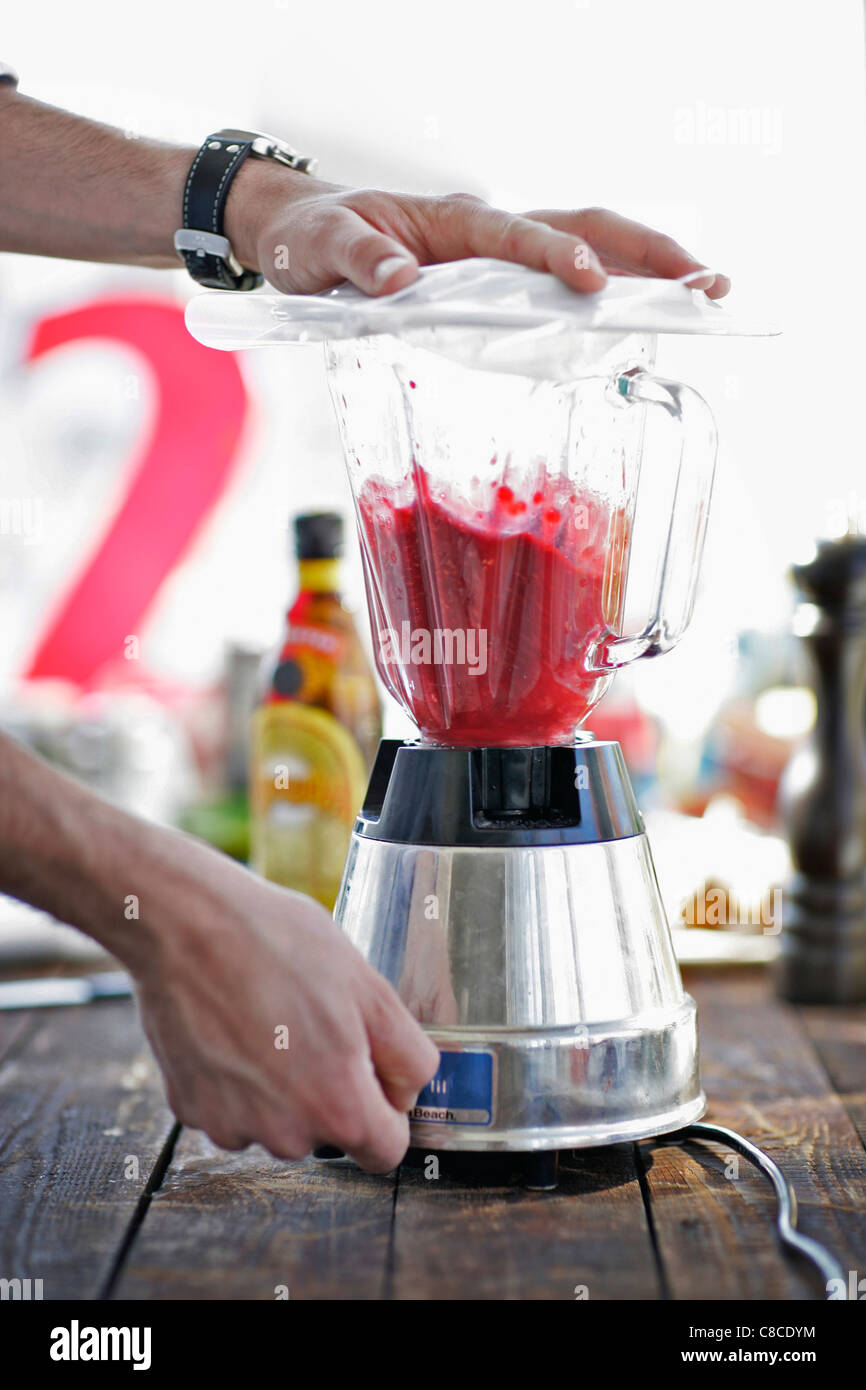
[51, 991]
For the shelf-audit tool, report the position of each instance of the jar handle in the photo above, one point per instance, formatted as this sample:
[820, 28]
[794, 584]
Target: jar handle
[677, 574]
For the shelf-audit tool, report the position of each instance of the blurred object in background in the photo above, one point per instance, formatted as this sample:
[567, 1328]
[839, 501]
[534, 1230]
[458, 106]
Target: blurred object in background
[316, 729]
[754, 732]
[31, 937]
[720, 880]
[222, 817]
[124, 744]
[106, 490]
[618, 716]
[87, 578]
[709, 752]
[823, 956]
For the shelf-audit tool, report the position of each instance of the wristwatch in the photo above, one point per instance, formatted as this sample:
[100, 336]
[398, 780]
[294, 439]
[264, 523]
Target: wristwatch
[201, 242]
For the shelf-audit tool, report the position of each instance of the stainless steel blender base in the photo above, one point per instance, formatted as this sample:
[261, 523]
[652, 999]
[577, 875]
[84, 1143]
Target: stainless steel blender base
[531, 944]
[577, 1087]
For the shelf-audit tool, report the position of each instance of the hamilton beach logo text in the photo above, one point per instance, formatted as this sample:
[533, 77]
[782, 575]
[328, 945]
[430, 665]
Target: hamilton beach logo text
[76, 1343]
[439, 646]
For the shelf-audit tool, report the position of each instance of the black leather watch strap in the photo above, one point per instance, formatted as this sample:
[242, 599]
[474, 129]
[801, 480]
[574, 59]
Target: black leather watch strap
[204, 199]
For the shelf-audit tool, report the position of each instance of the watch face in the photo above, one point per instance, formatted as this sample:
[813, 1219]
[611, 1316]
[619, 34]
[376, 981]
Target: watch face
[8, 74]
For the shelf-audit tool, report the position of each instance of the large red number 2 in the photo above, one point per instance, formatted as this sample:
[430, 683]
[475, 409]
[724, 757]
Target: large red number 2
[186, 457]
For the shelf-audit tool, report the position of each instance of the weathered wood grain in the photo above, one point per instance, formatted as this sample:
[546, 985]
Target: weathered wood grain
[764, 1079]
[79, 1094]
[14, 1026]
[82, 1121]
[839, 1037]
[460, 1238]
[328, 1231]
[246, 1226]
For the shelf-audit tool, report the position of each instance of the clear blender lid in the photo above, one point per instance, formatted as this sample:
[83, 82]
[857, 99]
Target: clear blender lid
[492, 313]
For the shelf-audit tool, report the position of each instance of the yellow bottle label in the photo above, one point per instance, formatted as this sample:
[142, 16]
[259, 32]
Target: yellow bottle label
[308, 781]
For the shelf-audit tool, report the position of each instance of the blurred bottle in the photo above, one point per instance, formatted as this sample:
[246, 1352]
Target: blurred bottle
[316, 728]
[221, 816]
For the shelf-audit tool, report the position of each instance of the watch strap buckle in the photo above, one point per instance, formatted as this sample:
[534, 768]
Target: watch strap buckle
[189, 240]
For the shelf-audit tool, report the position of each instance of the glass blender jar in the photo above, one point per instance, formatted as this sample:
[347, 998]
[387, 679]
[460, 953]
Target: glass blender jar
[496, 515]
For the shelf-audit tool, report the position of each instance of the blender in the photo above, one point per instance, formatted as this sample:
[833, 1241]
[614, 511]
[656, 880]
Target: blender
[531, 503]
[499, 873]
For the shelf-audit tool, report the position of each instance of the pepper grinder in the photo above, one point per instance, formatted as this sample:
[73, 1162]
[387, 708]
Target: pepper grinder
[823, 943]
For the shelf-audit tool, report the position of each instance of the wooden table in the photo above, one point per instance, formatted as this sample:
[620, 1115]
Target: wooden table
[99, 1198]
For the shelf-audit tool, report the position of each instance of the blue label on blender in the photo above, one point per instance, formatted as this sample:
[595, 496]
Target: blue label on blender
[461, 1092]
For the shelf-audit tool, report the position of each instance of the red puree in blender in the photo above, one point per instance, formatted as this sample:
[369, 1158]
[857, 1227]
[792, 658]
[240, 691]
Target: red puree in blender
[526, 577]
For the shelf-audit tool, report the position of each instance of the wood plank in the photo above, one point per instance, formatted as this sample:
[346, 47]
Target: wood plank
[324, 1231]
[81, 1107]
[15, 1025]
[77, 1094]
[764, 1079]
[839, 1037]
[715, 1235]
[458, 1237]
[245, 1226]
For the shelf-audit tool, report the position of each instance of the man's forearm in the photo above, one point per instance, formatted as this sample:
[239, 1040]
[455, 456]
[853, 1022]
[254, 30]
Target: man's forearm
[72, 187]
[64, 849]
